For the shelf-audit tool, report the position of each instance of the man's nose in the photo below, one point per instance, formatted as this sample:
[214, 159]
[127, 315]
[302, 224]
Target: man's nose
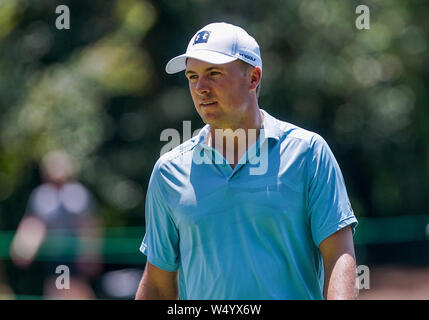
[202, 86]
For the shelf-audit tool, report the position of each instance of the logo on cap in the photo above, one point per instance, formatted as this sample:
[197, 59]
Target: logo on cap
[246, 56]
[202, 37]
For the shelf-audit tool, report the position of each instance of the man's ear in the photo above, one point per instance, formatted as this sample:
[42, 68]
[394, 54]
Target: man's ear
[255, 77]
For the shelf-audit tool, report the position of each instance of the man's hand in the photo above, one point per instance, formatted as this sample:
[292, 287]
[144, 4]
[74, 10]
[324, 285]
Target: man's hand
[157, 284]
[340, 266]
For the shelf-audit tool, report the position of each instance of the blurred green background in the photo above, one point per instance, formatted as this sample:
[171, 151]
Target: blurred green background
[100, 92]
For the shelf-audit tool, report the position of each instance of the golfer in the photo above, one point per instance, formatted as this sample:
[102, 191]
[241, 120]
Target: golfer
[252, 207]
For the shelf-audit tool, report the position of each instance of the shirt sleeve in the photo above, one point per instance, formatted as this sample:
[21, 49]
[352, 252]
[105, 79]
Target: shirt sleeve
[329, 205]
[161, 241]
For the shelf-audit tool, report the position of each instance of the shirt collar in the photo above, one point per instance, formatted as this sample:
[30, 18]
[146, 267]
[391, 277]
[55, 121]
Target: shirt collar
[271, 126]
[202, 135]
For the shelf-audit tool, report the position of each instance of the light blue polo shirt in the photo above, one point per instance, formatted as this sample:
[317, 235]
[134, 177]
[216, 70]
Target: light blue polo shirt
[243, 234]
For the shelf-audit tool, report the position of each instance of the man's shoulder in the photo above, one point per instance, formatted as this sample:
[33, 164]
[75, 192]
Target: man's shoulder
[178, 155]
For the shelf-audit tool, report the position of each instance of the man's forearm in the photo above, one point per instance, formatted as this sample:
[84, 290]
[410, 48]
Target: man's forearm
[146, 291]
[157, 284]
[340, 279]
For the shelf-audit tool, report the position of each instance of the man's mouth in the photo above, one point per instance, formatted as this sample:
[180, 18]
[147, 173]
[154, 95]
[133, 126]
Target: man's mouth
[208, 103]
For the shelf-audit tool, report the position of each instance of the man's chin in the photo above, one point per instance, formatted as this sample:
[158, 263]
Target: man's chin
[209, 116]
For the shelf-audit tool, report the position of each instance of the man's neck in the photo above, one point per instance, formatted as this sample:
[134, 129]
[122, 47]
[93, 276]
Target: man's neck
[233, 143]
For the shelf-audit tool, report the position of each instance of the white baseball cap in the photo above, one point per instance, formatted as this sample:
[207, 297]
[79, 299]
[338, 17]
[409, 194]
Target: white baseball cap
[218, 43]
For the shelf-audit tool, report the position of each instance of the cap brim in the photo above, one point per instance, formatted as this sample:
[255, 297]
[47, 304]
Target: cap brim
[178, 63]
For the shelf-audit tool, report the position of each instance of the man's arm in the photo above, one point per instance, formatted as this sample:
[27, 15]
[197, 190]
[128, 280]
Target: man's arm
[27, 240]
[340, 265]
[157, 284]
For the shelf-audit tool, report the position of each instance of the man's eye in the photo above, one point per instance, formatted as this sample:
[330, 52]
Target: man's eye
[214, 73]
[193, 77]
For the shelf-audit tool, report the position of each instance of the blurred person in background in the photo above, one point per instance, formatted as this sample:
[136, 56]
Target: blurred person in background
[63, 208]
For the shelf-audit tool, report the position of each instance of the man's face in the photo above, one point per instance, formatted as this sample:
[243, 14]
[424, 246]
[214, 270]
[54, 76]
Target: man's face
[220, 92]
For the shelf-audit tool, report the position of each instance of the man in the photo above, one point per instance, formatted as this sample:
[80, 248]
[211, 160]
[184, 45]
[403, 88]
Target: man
[227, 232]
